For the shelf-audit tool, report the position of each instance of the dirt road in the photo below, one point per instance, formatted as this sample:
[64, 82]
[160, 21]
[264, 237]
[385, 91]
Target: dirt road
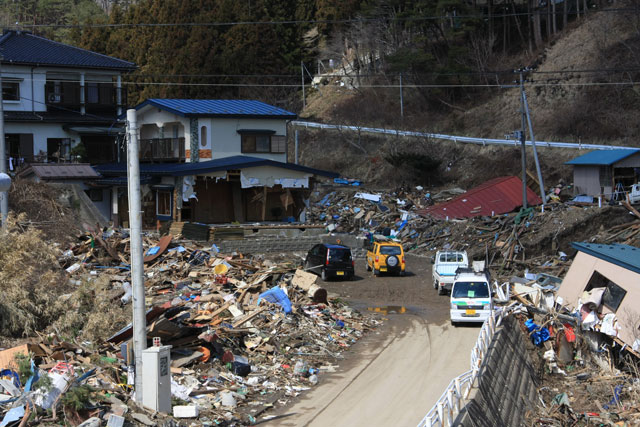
[395, 375]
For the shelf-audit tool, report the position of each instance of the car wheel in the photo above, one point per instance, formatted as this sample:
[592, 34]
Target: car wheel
[435, 284]
[323, 275]
[402, 273]
[376, 272]
[454, 324]
[441, 291]
[392, 261]
[368, 267]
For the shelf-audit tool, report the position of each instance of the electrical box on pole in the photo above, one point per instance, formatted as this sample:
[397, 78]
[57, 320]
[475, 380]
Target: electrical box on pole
[156, 378]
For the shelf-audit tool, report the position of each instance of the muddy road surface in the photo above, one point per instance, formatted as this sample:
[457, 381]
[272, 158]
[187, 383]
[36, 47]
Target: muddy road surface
[394, 375]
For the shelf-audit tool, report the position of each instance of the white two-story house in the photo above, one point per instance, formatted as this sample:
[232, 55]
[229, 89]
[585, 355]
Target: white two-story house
[213, 161]
[60, 102]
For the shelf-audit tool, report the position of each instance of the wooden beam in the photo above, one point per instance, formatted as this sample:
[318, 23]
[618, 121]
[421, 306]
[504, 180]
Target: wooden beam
[264, 203]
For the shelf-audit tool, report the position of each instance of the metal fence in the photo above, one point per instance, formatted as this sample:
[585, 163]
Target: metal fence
[454, 138]
[455, 396]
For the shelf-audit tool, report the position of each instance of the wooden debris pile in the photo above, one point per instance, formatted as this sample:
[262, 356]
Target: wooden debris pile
[247, 334]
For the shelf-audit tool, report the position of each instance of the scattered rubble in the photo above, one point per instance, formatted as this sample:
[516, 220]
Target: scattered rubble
[247, 334]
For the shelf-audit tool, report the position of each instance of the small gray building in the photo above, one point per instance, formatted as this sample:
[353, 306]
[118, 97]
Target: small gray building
[605, 171]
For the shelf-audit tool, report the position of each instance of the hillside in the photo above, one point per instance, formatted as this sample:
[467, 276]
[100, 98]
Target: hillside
[568, 103]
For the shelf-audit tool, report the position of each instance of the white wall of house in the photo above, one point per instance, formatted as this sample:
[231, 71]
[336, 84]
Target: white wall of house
[222, 134]
[226, 141]
[42, 131]
[31, 81]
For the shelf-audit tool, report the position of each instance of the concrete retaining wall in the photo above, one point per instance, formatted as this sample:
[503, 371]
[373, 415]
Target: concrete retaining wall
[290, 240]
[506, 386]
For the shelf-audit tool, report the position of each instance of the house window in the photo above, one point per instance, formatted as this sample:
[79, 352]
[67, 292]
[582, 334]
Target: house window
[58, 149]
[613, 294]
[278, 144]
[93, 94]
[11, 91]
[203, 136]
[163, 203]
[95, 194]
[256, 144]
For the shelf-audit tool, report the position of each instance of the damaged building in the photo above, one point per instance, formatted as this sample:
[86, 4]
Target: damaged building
[212, 161]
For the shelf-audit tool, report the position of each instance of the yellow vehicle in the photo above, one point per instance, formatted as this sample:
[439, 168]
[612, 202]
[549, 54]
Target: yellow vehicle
[386, 257]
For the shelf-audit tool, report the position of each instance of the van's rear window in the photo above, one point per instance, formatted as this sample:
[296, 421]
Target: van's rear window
[470, 290]
[340, 255]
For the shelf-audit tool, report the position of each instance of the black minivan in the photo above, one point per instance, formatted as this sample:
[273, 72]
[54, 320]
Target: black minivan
[330, 261]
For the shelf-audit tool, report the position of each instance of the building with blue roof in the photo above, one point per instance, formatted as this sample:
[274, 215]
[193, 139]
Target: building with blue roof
[605, 278]
[606, 172]
[215, 161]
[57, 97]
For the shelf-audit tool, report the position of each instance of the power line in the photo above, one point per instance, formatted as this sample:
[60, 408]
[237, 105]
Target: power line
[318, 21]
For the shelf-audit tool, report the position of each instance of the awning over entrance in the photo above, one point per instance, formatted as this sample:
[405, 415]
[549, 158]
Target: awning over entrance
[95, 130]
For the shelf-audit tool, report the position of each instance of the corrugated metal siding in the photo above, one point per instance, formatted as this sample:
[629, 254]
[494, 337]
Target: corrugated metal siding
[586, 180]
[497, 196]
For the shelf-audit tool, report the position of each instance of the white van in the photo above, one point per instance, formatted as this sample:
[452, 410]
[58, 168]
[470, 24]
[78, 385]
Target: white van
[471, 299]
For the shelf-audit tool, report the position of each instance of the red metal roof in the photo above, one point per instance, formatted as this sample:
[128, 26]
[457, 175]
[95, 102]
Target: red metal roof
[497, 196]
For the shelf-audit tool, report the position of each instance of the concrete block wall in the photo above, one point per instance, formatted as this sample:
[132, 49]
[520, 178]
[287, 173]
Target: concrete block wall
[269, 244]
[506, 388]
[272, 240]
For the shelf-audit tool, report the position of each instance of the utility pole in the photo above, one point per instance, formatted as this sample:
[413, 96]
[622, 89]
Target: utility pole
[296, 147]
[523, 144]
[4, 195]
[304, 100]
[401, 99]
[535, 151]
[137, 269]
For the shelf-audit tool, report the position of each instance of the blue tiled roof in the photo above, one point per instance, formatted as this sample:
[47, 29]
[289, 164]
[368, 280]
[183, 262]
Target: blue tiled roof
[196, 168]
[602, 157]
[622, 255]
[219, 108]
[20, 47]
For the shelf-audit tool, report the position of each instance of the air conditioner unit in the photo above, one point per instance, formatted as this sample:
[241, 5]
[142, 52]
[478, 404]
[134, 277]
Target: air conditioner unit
[54, 97]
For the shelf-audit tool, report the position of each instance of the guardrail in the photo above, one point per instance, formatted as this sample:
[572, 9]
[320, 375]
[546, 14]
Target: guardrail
[448, 406]
[454, 138]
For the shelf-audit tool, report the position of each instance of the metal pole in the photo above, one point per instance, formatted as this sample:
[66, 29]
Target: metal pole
[296, 148]
[4, 196]
[137, 272]
[401, 99]
[524, 146]
[304, 100]
[535, 151]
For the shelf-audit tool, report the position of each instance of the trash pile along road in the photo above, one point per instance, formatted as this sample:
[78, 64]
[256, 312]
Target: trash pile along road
[512, 240]
[246, 335]
[587, 375]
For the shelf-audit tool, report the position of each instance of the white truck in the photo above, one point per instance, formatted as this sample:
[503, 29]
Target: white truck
[634, 194]
[445, 264]
[471, 299]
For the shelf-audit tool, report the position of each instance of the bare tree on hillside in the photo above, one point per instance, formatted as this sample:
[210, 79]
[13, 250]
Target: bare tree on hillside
[482, 51]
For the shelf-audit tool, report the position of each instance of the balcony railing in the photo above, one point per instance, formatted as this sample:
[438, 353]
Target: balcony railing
[162, 149]
[101, 98]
